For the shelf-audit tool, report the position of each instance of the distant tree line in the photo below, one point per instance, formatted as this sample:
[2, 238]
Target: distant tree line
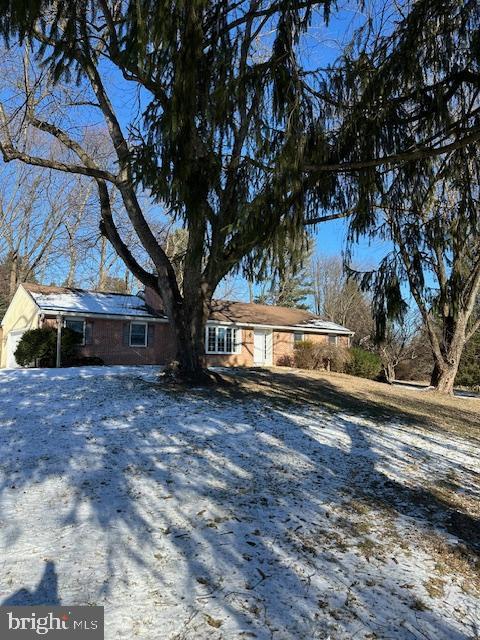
[322, 284]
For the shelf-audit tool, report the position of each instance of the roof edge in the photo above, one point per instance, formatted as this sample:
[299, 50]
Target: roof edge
[284, 327]
[106, 316]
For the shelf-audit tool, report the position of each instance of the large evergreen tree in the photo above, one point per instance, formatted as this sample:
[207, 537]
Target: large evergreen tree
[218, 141]
[243, 145]
[418, 88]
[434, 226]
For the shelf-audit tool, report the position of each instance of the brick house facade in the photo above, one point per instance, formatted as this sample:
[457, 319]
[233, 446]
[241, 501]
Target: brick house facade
[133, 330]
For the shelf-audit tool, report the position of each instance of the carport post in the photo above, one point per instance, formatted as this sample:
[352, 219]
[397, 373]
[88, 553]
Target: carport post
[59, 340]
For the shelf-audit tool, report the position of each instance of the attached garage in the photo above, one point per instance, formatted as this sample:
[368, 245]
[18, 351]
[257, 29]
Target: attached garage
[21, 315]
[11, 344]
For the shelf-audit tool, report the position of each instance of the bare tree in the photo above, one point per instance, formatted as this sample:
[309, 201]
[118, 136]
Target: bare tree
[339, 299]
[32, 211]
[399, 345]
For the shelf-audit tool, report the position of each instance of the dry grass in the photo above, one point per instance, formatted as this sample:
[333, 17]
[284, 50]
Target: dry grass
[453, 560]
[423, 411]
[457, 415]
[440, 502]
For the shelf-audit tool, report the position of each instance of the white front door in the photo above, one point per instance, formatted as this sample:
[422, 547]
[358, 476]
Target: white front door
[13, 338]
[262, 346]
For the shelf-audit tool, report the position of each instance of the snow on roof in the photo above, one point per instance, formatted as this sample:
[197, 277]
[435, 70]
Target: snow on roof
[64, 299]
[325, 325]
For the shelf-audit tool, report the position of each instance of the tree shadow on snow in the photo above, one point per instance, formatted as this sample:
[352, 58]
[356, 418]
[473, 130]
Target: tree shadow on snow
[236, 491]
[45, 593]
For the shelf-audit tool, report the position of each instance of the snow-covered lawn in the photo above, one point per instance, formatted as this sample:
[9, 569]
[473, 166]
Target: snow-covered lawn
[191, 515]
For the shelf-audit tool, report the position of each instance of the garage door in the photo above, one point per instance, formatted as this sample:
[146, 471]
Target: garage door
[13, 339]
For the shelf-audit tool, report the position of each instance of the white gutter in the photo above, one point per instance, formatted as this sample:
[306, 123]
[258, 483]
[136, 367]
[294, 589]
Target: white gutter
[284, 327]
[255, 325]
[103, 316]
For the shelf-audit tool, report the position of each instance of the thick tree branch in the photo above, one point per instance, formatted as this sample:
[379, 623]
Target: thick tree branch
[475, 327]
[420, 153]
[71, 144]
[109, 229]
[326, 218]
[10, 153]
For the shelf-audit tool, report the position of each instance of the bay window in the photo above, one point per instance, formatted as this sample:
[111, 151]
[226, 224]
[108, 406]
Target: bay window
[223, 340]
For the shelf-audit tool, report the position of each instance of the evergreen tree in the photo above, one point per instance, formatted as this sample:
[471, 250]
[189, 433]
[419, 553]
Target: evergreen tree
[244, 147]
[288, 280]
[434, 226]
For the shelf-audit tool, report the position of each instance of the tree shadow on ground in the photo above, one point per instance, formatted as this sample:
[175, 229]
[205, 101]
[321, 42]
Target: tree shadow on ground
[45, 593]
[290, 388]
[227, 507]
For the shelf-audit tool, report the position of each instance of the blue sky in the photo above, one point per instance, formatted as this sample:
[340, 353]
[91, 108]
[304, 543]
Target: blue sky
[322, 46]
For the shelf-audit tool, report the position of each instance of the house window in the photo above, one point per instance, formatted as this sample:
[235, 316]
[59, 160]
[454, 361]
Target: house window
[138, 334]
[78, 326]
[298, 336]
[223, 340]
[332, 340]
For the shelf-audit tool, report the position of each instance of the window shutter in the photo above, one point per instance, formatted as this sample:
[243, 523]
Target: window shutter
[126, 334]
[151, 335]
[88, 333]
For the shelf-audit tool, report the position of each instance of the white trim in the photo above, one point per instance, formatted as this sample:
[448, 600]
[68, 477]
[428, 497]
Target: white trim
[103, 316]
[78, 319]
[140, 346]
[283, 327]
[236, 344]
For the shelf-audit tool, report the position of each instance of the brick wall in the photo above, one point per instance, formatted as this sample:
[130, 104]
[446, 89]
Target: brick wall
[283, 343]
[107, 342]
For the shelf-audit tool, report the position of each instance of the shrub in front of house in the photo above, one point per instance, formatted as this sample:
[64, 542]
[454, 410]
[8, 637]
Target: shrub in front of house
[332, 357]
[38, 347]
[304, 354]
[286, 361]
[320, 355]
[364, 364]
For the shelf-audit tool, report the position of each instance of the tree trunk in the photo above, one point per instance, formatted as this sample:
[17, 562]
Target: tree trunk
[444, 379]
[13, 278]
[444, 372]
[102, 270]
[446, 366]
[389, 372]
[191, 310]
[72, 268]
[447, 357]
[188, 320]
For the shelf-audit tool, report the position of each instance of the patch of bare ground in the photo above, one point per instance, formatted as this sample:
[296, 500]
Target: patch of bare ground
[455, 415]
[450, 501]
